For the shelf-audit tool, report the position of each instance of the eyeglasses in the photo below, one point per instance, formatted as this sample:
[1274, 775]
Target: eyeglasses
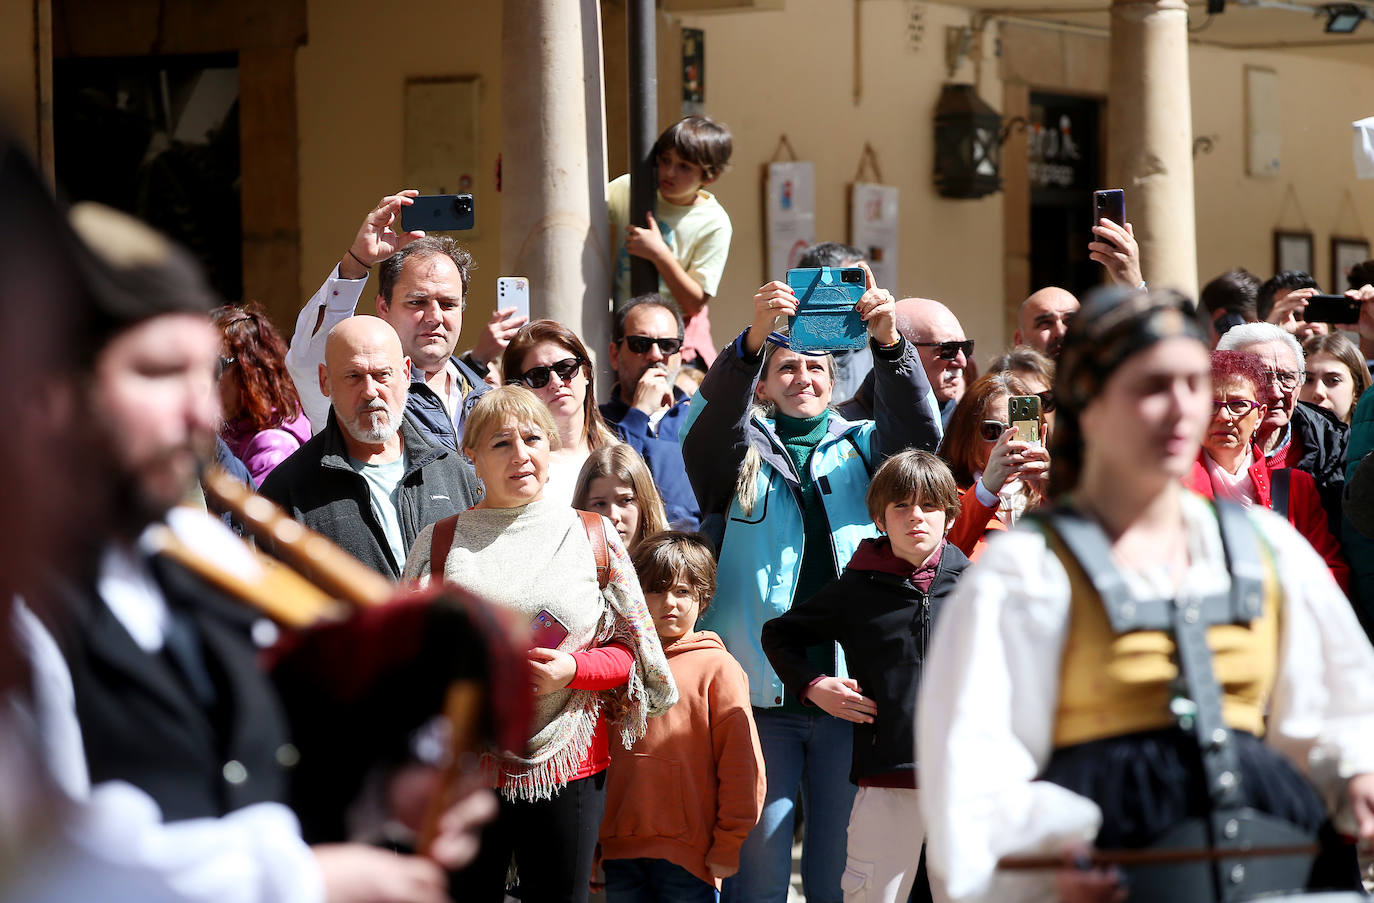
[640, 344]
[992, 430]
[1235, 409]
[1285, 378]
[538, 377]
[949, 350]
[1046, 401]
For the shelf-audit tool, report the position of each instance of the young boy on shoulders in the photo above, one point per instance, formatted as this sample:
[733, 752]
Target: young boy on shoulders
[881, 611]
[679, 805]
[687, 237]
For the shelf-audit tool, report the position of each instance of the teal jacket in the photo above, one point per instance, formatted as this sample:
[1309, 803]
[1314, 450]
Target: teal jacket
[1358, 548]
[760, 554]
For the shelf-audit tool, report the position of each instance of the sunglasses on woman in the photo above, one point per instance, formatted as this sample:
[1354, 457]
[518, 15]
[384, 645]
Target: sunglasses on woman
[538, 377]
[992, 430]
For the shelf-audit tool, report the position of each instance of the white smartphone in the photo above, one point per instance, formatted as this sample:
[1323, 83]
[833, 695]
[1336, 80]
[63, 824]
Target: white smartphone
[513, 291]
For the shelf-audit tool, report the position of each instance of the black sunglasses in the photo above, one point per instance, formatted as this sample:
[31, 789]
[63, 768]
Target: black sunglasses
[949, 350]
[640, 344]
[992, 430]
[538, 377]
[1046, 401]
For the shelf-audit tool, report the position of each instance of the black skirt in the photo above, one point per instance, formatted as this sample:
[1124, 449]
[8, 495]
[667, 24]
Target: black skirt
[1145, 783]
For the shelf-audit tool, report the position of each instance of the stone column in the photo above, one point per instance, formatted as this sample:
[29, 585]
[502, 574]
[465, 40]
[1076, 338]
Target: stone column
[553, 163]
[1150, 136]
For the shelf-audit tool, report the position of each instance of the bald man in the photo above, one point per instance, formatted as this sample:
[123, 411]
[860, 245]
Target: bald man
[943, 348]
[370, 479]
[1045, 317]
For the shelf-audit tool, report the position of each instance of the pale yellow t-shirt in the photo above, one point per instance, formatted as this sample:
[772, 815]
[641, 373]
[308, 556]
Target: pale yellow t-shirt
[698, 236]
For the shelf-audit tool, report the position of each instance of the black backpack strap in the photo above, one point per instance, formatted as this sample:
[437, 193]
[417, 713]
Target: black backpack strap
[1280, 484]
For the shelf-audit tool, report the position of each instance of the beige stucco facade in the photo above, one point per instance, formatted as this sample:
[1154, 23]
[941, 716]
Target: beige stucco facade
[794, 70]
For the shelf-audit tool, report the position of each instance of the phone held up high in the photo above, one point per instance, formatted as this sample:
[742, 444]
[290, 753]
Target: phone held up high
[826, 319]
[439, 213]
[1024, 413]
[1109, 203]
[514, 291]
[1332, 309]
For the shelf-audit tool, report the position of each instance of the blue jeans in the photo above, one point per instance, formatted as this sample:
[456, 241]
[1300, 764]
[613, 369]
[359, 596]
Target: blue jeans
[810, 753]
[645, 880]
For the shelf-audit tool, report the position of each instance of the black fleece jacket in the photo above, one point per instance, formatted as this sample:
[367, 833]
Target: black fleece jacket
[883, 623]
[318, 487]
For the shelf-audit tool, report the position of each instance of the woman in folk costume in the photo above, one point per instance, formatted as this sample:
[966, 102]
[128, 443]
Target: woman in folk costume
[595, 656]
[1138, 668]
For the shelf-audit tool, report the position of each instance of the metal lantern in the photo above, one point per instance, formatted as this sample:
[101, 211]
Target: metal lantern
[968, 144]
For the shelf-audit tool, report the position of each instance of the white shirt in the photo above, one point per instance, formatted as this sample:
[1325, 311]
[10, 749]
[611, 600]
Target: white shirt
[989, 690]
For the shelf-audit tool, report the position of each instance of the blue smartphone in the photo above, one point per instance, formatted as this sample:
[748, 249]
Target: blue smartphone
[826, 319]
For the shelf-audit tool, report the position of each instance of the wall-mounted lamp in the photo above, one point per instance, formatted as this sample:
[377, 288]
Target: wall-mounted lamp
[968, 143]
[1343, 18]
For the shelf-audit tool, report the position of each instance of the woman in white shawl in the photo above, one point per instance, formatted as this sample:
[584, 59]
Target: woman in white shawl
[598, 657]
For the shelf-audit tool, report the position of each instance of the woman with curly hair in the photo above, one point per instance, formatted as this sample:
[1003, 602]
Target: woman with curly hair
[263, 420]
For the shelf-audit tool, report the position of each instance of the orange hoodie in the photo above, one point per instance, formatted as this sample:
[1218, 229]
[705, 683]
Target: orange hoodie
[692, 789]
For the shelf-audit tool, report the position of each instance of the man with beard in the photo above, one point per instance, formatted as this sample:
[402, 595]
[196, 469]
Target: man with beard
[370, 479]
[151, 708]
[646, 409]
[1044, 318]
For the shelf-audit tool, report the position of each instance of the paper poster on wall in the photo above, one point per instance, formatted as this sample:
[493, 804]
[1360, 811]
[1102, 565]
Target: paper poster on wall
[873, 230]
[790, 214]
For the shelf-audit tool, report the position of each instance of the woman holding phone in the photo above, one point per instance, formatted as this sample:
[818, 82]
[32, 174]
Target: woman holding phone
[535, 557]
[1140, 667]
[999, 476]
[781, 479]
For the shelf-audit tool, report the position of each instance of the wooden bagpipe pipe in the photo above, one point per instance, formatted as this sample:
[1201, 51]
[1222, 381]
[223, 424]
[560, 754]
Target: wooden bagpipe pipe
[363, 663]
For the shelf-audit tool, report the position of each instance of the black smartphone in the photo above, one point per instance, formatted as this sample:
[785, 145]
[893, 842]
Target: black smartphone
[1332, 309]
[439, 213]
[1109, 203]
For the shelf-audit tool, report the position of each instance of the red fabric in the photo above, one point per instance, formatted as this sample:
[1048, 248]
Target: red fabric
[1305, 511]
[603, 668]
[972, 526]
[1288, 456]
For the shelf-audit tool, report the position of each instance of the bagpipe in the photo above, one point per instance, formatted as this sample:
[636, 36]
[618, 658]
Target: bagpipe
[362, 663]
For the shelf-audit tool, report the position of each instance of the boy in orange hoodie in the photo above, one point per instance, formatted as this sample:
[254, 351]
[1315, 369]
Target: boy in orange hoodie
[680, 804]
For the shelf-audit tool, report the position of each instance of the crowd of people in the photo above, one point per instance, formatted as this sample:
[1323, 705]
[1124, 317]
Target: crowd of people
[965, 635]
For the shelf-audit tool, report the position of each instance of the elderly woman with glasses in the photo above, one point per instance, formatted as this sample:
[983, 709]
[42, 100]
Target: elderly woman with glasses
[549, 359]
[999, 476]
[781, 479]
[1230, 467]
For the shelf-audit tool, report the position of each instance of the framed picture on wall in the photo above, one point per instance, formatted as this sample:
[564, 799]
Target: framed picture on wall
[1345, 253]
[1292, 251]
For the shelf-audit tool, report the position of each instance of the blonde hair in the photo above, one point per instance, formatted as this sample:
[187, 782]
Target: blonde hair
[746, 485]
[505, 403]
[623, 463]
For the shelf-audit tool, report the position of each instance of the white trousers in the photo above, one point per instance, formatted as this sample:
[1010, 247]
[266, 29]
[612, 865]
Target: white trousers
[885, 837]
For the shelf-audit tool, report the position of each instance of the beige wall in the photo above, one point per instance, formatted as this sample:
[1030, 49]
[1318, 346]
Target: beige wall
[350, 81]
[1236, 213]
[769, 73]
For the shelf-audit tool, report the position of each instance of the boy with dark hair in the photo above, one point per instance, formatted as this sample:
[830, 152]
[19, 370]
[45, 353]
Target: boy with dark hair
[679, 807]
[881, 610]
[687, 237]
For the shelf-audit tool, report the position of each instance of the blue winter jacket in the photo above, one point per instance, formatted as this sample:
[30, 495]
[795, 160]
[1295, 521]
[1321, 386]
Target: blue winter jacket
[760, 554]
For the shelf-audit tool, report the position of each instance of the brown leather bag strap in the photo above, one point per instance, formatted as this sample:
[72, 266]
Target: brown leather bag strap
[441, 541]
[596, 535]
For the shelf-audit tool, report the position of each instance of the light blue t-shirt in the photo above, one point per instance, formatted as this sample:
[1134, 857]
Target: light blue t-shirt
[383, 480]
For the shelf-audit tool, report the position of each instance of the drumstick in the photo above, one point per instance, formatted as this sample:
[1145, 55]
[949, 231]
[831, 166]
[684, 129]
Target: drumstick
[1146, 857]
[463, 709]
